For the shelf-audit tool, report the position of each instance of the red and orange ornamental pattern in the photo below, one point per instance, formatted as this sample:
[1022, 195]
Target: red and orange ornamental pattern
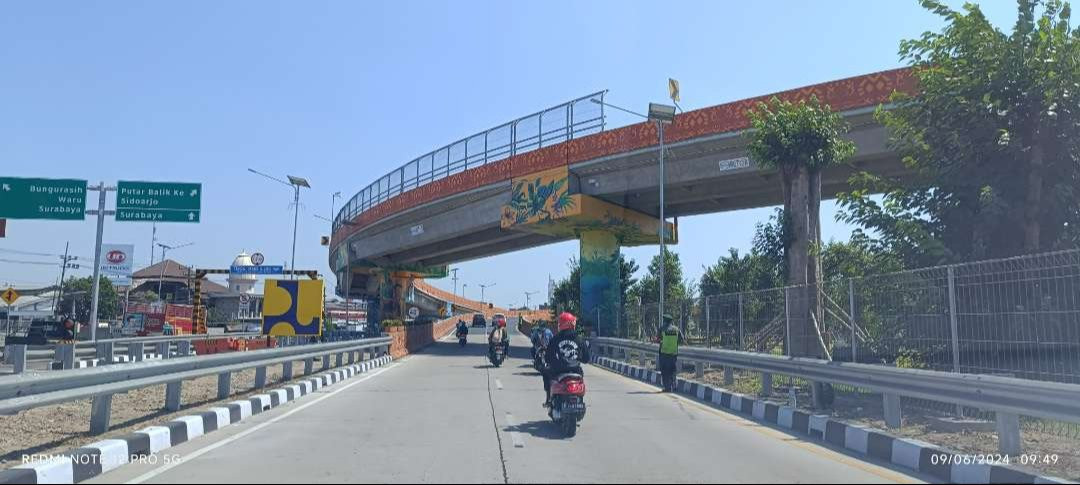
[845, 94]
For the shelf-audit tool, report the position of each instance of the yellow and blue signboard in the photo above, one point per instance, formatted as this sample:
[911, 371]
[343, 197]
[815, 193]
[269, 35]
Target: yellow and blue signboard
[292, 307]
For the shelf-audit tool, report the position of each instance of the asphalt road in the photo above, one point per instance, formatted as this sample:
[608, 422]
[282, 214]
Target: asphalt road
[444, 416]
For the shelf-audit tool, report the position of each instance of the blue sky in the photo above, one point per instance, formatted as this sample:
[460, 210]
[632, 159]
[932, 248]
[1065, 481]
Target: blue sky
[341, 92]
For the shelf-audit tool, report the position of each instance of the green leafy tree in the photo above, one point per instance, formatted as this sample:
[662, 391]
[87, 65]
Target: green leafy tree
[800, 140]
[78, 292]
[992, 135]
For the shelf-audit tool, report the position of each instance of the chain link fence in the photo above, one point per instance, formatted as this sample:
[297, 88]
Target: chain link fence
[1016, 317]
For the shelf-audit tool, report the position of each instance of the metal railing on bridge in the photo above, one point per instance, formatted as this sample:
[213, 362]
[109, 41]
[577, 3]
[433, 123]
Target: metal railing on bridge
[553, 125]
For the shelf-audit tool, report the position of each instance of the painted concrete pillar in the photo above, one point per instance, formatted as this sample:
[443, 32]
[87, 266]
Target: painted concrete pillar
[600, 295]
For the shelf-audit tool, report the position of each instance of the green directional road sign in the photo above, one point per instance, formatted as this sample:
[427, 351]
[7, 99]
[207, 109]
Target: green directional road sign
[158, 201]
[31, 198]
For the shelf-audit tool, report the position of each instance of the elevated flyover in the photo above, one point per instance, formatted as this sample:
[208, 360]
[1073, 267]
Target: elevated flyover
[562, 174]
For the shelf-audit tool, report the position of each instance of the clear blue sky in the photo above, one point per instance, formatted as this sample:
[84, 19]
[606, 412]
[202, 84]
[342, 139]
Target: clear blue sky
[342, 91]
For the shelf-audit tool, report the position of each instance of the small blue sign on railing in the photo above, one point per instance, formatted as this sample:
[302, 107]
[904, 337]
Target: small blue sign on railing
[257, 269]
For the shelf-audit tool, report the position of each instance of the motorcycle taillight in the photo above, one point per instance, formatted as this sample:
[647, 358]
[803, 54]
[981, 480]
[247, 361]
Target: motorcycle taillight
[575, 387]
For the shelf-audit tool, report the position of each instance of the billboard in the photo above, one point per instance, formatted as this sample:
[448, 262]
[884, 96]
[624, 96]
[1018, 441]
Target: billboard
[292, 307]
[117, 262]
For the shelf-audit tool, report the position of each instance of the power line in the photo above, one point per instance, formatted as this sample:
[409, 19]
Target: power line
[41, 263]
[31, 253]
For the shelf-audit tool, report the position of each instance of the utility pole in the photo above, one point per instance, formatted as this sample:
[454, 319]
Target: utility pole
[482, 288]
[96, 293]
[529, 294]
[455, 280]
[65, 260]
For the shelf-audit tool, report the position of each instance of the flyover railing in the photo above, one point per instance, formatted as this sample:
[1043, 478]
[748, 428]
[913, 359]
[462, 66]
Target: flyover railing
[1008, 397]
[554, 125]
[31, 390]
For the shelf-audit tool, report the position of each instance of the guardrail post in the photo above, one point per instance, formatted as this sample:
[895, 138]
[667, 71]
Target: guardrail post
[699, 370]
[105, 352]
[172, 395]
[352, 357]
[183, 348]
[224, 382]
[643, 360]
[1008, 429]
[309, 363]
[260, 377]
[100, 412]
[135, 351]
[766, 384]
[339, 358]
[729, 375]
[326, 362]
[16, 356]
[164, 349]
[286, 371]
[892, 410]
[65, 354]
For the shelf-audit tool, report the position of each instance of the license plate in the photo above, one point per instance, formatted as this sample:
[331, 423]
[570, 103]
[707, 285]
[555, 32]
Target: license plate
[573, 407]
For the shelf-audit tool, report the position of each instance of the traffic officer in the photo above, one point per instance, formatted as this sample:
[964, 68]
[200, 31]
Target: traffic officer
[669, 354]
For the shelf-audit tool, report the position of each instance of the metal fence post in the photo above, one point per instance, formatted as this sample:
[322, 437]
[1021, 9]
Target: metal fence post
[954, 329]
[742, 343]
[16, 356]
[172, 395]
[787, 321]
[100, 413]
[104, 352]
[224, 383]
[65, 354]
[260, 377]
[854, 321]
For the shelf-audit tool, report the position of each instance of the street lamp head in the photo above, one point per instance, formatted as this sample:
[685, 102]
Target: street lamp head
[299, 182]
[661, 112]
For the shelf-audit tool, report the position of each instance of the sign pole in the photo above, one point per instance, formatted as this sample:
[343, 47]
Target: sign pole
[97, 262]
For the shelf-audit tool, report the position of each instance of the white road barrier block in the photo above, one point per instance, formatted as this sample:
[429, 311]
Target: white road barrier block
[245, 409]
[222, 417]
[194, 426]
[785, 417]
[161, 438]
[58, 469]
[112, 454]
[856, 438]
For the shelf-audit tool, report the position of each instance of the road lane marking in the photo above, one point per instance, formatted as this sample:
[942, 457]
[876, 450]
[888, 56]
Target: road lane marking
[498, 384]
[763, 428]
[514, 435]
[202, 451]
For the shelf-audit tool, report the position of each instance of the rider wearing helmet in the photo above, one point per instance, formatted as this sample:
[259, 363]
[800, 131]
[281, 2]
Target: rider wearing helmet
[565, 353]
[498, 334]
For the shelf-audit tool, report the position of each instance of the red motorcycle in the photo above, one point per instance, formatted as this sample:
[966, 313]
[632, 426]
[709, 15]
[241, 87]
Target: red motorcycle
[568, 402]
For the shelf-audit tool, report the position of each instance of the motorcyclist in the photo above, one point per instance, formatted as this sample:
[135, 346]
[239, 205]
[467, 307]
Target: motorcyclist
[462, 329]
[498, 335]
[565, 353]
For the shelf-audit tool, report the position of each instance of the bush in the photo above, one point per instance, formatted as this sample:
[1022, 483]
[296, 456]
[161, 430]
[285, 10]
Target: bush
[392, 323]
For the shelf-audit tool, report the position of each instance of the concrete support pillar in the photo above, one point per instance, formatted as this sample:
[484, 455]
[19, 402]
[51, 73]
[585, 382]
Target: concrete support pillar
[105, 352]
[600, 279]
[172, 395]
[100, 413]
[1008, 429]
[892, 410]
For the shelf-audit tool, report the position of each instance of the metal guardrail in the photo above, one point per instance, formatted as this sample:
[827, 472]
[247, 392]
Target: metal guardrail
[562, 123]
[31, 390]
[103, 349]
[1008, 397]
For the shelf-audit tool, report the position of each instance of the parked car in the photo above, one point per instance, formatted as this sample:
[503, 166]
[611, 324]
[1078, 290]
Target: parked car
[479, 321]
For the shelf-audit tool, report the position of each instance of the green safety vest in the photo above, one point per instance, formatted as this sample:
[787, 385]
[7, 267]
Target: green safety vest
[669, 344]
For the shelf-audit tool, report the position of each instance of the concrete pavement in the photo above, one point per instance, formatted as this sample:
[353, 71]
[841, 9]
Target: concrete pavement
[445, 416]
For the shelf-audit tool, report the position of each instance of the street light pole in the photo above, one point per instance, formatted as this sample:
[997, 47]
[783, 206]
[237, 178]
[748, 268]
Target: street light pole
[296, 183]
[482, 288]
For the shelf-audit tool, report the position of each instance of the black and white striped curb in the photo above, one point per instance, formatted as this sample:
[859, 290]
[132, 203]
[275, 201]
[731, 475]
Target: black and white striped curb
[117, 359]
[922, 457]
[107, 455]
